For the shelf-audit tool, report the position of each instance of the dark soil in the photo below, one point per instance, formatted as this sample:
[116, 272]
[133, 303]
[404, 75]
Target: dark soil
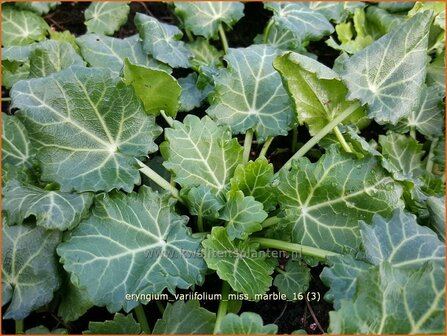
[289, 316]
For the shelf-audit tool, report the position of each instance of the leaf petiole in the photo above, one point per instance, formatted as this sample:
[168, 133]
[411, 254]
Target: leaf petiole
[291, 247]
[159, 180]
[430, 162]
[223, 306]
[223, 38]
[342, 140]
[267, 31]
[320, 135]
[270, 222]
[168, 119]
[141, 318]
[200, 223]
[19, 326]
[265, 147]
[247, 145]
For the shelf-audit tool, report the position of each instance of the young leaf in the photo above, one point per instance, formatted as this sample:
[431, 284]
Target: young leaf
[121, 324]
[243, 215]
[53, 210]
[106, 17]
[305, 23]
[158, 90]
[204, 53]
[128, 246]
[388, 292]
[52, 56]
[38, 7]
[323, 201]
[191, 97]
[280, 38]
[394, 241]
[246, 323]
[341, 278]
[436, 209]
[295, 279]
[162, 41]
[109, 52]
[30, 269]
[403, 154]
[186, 318]
[390, 88]
[381, 22]
[65, 36]
[317, 92]
[255, 179]
[16, 147]
[100, 125]
[74, 303]
[249, 94]
[428, 116]
[204, 18]
[199, 152]
[21, 27]
[237, 262]
[202, 202]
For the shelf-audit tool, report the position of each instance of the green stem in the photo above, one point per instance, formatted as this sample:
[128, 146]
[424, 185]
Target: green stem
[19, 326]
[189, 35]
[200, 223]
[141, 318]
[160, 307]
[320, 135]
[159, 180]
[223, 306]
[342, 140]
[291, 247]
[413, 132]
[267, 31]
[294, 140]
[168, 119]
[247, 145]
[279, 270]
[430, 162]
[270, 222]
[265, 147]
[223, 38]
[6, 99]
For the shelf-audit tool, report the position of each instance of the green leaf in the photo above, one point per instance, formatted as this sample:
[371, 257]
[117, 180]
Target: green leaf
[185, 318]
[121, 324]
[15, 63]
[255, 179]
[396, 6]
[295, 279]
[52, 56]
[243, 215]
[203, 18]
[317, 92]
[37, 7]
[53, 210]
[332, 10]
[45, 331]
[157, 89]
[191, 97]
[380, 22]
[305, 23]
[74, 303]
[323, 201]
[436, 72]
[65, 36]
[403, 154]
[280, 38]
[204, 53]
[106, 17]
[21, 27]
[238, 262]
[388, 293]
[395, 241]
[100, 125]
[249, 94]
[16, 147]
[341, 278]
[202, 202]
[390, 88]
[109, 52]
[30, 269]
[162, 41]
[128, 246]
[428, 116]
[436, 209]
[199, 152]
[246, 323]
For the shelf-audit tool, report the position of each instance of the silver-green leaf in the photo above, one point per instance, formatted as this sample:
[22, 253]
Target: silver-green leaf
[106, 17]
